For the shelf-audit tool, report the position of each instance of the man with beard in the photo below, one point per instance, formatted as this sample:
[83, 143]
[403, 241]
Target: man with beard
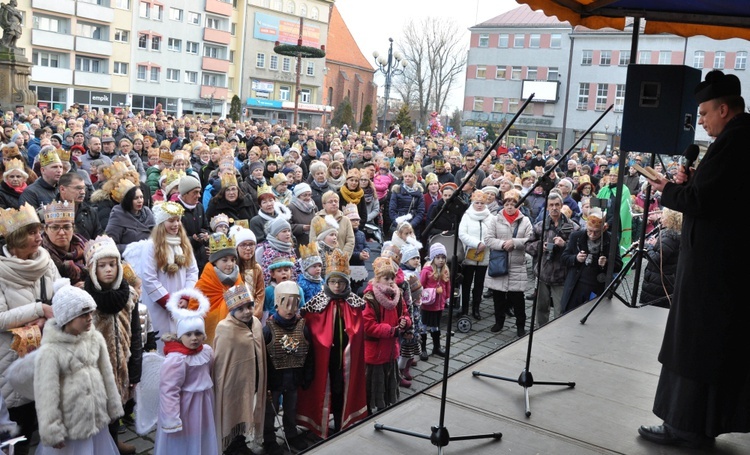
[94, 153]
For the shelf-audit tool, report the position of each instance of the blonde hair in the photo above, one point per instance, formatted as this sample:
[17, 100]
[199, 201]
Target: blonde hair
[671, 219]
[159, 237]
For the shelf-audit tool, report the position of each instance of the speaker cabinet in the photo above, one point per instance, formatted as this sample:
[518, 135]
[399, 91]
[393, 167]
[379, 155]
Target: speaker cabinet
[659, 115]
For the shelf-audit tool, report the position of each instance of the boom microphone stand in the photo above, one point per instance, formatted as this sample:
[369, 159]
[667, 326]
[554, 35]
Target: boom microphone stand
[439, 435]
[526, 379]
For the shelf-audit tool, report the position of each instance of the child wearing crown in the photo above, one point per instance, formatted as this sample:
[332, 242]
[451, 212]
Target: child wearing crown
[220, 274]
[270, 208]
[310, 280]
[279, 185]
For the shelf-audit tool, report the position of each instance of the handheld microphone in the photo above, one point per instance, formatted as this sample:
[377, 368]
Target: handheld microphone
[688, 157]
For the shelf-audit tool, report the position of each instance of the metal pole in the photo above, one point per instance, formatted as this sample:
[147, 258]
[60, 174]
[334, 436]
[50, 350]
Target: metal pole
[299, 68]
[387, 92]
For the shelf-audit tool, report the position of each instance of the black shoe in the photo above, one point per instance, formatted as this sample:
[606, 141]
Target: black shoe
[496, 328]
[487, 294]
[298, 443]
[531, 297]
[272, 448]
[520, 331]
[121, 429]
[475, 314]
[661, 434]
[438, 351]
[424, 355]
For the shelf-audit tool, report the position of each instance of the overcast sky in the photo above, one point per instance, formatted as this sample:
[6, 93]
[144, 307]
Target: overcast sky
[373, 22]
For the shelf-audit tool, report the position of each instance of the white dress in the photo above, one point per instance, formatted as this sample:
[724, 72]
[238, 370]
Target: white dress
[99, 444]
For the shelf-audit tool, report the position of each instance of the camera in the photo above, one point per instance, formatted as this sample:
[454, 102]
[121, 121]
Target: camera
[550, 249]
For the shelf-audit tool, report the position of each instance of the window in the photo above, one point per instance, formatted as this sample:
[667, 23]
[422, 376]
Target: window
[497, 104]
[285, 93]
[553, 74]
[90, 65]
[500, 72]
[122, 4]
[314, 13]
[624, 58]
[194, 18]
[174, 44]
[502, 40]
[583, 96]
[605, 58]
[273, 63]
[49, 24]
[518, 41]
[303, 10]
[555, 41]
[512, 105]
[214, 23]
[90, 31]
[587, 57]
[175, 14]
[310, 71]
[157, 12]
[144, 10]
[286, 64]
[214, 52]
[173, 75]
[142, 41]
[141, 76]
[719, 59]
[619, 97]
[665, 57]
[191, 77]
[698, 59]
[120, 68]
[231, 56]
[481, 72]
[290, 7]
[644, 57]
[260, 60]
[233, 28]
[155, 73]
[191, 47]
[122, 36]
[601, 97]
[478, 104]
[549, 110]
[516, 73]
[214, 80]
[48, 59]
[484, 40]
[740, 60]
[535, 40]
[304, 95]
[531, 73]
[156, 43]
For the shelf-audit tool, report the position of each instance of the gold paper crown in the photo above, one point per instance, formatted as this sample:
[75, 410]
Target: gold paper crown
[309, 250]
[219, 241]
[498, 167]
[116, 169]
[526, 175]
[169, 207]
[337, 262]
[171, 176]
[410, 168]
[264, 190]
[479, 196]
[179, 155]
[438, 163]
[226, 162]
[14, 165]
[229, 179]
[219, 219]
[166, 156]
[59, 211]
[49, 156]
[320, 224]
[63, 154]
[11, 219]
[165, 144]
[278, 179]
[106, 132]
[237, 295]
[431, 177]
[123, 186]
[383, 265]
[128, 273]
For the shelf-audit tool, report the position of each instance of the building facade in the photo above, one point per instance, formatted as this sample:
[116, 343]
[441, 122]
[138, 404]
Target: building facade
[590, 66]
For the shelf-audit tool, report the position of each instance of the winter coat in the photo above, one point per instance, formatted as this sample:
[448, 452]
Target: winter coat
[447, 220]
[152, 178]
[74, 388]
[125, 228]
[38, 193]
[499, 231]
[195, 222]
[661, 269]
[299, 220]
[345, 233]
[87, 221]
[8, 196]
[241, 209]
[104, 204]
[553, 270]
[20, 291]
[429, 282]
[381, 329]
[318, 191]
[404, 202]
[382, 182]
[472, 230]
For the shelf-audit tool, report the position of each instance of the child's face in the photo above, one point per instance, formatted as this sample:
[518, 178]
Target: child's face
[439, 260]
[106, 270]
[386, 280]
[405, 232]
[285, 235]
[244, 313]
[79, 324]
[413, 262]
[281, 274]
[193, 340]
[172, 225]
[315, 270]
[226, 264]
[137, 289]
[355, 224]
[332, 239]
[288, 306]
[223, 228]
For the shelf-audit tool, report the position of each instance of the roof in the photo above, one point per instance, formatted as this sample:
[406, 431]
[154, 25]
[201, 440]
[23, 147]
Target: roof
[523, 16]
[341, 47]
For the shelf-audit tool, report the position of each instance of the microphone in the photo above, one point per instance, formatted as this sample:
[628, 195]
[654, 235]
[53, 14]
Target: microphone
[688, 157]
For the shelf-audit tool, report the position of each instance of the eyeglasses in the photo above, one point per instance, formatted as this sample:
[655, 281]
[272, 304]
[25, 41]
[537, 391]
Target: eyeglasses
[246, 246]
[336, 283]
[57, 227]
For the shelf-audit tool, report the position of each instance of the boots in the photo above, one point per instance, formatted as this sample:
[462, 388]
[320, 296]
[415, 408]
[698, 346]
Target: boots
[521, 327]
[405, 372]
[125, 448]
[436, 349]
[403, 382]
[424, 355]
[475, 311]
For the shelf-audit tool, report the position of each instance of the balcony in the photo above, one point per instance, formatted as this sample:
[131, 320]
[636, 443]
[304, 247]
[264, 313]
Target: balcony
[95, 12]
[56, 6]
[62, 76]
[217, 36]
[93, 46]
[216, 65]
[217, 92]
[93, 79]
[51, 39]
[219, 7]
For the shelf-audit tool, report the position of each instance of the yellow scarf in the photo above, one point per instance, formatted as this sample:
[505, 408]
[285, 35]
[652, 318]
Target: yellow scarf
[352, 197]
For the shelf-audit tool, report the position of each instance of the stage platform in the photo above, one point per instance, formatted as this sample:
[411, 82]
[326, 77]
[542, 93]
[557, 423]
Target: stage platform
[612, 359]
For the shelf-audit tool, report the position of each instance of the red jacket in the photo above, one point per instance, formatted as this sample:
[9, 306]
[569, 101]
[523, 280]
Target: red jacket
[381, 334]
[428, 282]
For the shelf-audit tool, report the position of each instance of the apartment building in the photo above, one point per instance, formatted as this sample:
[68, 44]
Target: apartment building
[522, 45]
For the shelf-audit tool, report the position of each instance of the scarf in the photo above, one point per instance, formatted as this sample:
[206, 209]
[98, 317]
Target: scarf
[352, 197]
[257, 182]
[266, 216]
[276, 244]
[322, 186]
[19, 189]
[311, 278]
[108, 301]
[176, 346]
[511, 219]
[369, 192]
[337, 183]
[71, 262]
[25, 272]
[344, 294]
[187, 206]
[175, 255]
[304, 207]
[477, 216]
[410, 189]
[228, 279]
[387, 294]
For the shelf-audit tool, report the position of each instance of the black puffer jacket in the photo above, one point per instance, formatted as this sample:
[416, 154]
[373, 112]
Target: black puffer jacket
[657, 284]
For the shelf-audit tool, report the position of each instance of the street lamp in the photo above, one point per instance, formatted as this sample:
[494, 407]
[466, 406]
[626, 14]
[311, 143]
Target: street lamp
[389, 68]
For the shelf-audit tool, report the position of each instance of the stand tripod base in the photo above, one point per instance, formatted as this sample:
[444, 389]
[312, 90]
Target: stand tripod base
[525, 380]
[439, 436]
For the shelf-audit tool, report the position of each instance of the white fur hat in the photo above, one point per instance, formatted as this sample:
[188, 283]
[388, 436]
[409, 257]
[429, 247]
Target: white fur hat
[69, 302]
[102, 247]
[242, 234]
[188, 320]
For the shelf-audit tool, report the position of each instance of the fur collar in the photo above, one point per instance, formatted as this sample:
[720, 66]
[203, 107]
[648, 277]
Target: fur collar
[319, 303]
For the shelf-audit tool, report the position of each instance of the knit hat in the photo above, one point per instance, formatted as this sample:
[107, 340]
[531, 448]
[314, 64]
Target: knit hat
[238, 295]
[256, 165]
[241, 234]
[187, 184]
[219, 246]
[166, 210]
[69, 302]
[324, 225]
[408, 252]
[301, 188]
[286, 294]
[309, 255]
[352, 212]
[436, 250]
[102, 247]
[281, 261]
[276, 225]
[188, 320]
[491, 190]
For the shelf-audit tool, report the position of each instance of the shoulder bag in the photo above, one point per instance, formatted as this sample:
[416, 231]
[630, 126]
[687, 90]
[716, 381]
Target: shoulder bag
[498, 265]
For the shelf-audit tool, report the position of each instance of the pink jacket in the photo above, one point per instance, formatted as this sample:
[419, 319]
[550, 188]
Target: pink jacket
[381, 338]
[428, 282]
[382, 182]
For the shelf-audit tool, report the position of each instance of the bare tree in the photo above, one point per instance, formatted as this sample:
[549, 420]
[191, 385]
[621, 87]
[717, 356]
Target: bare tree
[436, 58]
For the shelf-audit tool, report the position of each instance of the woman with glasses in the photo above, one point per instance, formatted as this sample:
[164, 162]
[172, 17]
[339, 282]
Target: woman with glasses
[65, 247]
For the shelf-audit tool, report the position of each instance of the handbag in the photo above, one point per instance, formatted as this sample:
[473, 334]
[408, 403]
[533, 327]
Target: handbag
[428, 296]
[498, 265]
[472, 255]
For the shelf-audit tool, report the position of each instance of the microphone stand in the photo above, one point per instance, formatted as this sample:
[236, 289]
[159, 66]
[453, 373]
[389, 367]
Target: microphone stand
[439, 435]
[526, 379]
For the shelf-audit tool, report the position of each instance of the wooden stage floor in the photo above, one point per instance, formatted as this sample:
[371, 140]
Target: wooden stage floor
[612, 359]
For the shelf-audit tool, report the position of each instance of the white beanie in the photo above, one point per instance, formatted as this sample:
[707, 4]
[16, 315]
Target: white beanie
[242, 234]
[69, 302]
[102, 247]
[301, 188]
[188, 320]
[165, 210]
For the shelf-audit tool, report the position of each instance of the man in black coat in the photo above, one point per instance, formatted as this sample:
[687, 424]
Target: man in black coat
[704, 385]
[72, 188]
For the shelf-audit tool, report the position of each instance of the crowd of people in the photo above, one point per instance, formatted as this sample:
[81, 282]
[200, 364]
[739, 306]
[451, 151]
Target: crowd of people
[241, 253]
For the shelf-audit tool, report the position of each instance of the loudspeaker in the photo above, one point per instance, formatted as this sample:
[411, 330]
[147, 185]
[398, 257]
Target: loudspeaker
[659, 115]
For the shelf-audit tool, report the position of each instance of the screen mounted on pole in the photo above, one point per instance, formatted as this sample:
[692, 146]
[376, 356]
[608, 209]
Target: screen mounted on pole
[544, 91]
